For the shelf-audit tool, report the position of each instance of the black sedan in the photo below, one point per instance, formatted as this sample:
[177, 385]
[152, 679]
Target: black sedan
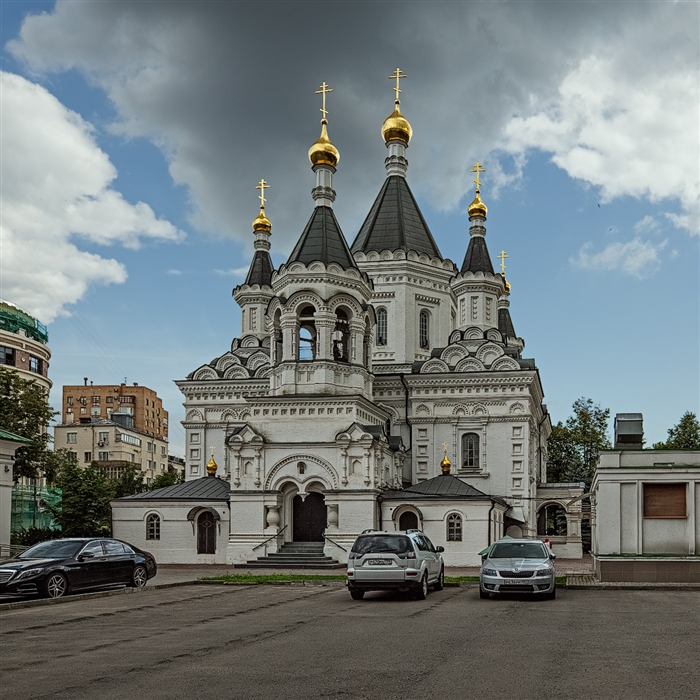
[58, 567]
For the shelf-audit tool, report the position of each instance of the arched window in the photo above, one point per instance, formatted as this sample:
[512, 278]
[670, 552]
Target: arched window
[153, 527]
[424, 329]
[307, 334]
[382, 327]
[301, 467]
[454, 528]
[551, 520]
[470, 451]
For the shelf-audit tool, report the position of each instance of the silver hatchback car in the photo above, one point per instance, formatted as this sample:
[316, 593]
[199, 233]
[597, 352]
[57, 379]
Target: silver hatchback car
[518, 566]
[403, 561]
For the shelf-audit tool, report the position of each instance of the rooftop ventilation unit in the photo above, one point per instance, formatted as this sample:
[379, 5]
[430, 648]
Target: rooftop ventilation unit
[629, 431]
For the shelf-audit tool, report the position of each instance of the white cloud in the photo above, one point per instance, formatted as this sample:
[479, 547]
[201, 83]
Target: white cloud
[55, 192]
[173, 272]
[647, 225]
[636, 258]
[233, 272]
[628, 132]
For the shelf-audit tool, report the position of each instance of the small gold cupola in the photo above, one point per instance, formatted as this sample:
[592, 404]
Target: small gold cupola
[212, 466]
[396, 126]
[323, 152]
[261, 222]
[445, 465]
[477, 207]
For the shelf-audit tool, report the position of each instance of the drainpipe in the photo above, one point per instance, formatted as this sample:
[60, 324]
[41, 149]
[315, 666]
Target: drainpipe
[408, 421]
[493, 505]
[539, 443]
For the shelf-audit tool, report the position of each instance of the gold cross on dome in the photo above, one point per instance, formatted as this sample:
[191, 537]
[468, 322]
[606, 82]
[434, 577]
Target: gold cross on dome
[503, 257]
[262, 186]
[478, 168]
[323, 91]
[397, 74]
[444, 445]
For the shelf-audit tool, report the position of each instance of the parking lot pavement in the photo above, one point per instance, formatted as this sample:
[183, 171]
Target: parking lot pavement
[293, 642]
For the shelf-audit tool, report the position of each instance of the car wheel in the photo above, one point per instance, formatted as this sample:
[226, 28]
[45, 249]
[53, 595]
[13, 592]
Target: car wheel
[422, 592]
[440, 583]
[139, 577]
[357, 595]
[484, 595]
[55, 586]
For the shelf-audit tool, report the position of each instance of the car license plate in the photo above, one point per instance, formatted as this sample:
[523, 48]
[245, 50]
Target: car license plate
[379, 562]
[515, 582]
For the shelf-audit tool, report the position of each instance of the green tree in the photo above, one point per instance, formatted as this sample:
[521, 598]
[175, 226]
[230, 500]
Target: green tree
[167, 479]
[129, 483]
[683, 436]
[573, 447]
[84, 510]
[24, 410]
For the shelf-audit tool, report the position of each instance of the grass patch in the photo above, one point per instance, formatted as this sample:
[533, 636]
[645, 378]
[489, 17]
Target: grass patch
[267, 578]
[560, 580]
[461, 579]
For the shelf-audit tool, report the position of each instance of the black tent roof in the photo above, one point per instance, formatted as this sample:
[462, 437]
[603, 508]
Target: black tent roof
[322, 240]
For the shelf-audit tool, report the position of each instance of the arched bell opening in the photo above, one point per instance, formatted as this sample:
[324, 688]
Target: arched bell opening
[341, 336]
[307, 334]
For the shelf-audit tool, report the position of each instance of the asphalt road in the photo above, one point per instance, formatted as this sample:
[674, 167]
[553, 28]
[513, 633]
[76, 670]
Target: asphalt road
[288, 642]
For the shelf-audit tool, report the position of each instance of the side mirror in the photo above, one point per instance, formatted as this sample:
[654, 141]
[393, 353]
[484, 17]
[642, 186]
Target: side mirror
[439, 549]
[86, 555]
[552, 555]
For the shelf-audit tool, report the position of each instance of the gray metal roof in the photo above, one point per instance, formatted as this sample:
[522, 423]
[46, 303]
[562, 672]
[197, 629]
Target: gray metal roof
[206, 488]
[322, 240]
[505, 324]
[477, 258]
[442, 486]
[260, 269]
[395, 223]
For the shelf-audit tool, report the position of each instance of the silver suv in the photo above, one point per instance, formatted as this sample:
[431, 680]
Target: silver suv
[518, 566]
[403, 561]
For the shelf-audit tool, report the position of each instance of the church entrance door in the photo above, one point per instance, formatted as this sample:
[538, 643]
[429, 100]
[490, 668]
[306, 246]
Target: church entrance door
[408, 521]
[206, 533]
[309, 518]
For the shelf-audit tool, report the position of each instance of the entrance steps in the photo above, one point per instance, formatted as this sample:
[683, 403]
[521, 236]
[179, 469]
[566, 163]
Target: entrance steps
[296, 555]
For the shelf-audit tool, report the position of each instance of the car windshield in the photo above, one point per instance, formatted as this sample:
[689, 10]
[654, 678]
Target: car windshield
[518, 550]
[374, 544]
[52, 550]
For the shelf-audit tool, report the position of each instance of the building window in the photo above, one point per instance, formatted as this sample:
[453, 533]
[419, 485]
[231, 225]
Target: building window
[470, 451]
[109, 399]
[7, 355]
[665, 501]
[69, 400]
[424, 329]
[35, 364]
[71, 438]
[83, 409]
[454, 528]
[301, 467]
[162, 451]
[73, 456]
[153, 527]
[95, 400]
[382, 327]
[307, 334]
[94, 410]
[103, 456]
[87, 457]
[103, 437]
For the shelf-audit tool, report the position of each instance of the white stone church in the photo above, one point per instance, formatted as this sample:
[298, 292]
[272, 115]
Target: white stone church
[373, 385]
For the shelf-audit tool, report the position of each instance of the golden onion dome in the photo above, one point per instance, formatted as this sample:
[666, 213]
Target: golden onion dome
[261, 222]
[506, 284]
[212, 466]
[323, 152]
[396, 127]
[477, 207]
[445, 465]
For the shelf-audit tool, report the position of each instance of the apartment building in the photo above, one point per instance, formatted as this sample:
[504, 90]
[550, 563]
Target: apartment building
[115, 444]
[102, 401]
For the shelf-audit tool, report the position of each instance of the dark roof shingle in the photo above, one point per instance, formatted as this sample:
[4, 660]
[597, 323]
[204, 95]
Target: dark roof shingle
[260, 269]
[395, 223]
[206, 488]
[477, 258]
[322, 240]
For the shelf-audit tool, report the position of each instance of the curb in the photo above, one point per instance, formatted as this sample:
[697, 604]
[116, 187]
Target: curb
[67, 599]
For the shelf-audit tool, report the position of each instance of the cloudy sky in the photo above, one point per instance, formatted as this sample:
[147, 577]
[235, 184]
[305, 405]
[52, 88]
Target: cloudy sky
[134, 133]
